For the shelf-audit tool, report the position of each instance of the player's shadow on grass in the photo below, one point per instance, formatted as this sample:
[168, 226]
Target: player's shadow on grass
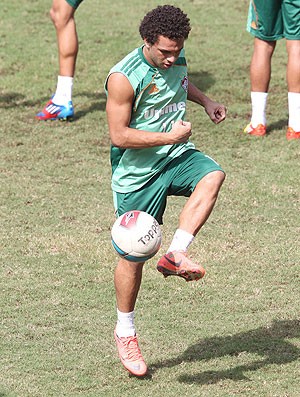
[278, 125]
[202, 80]
[11, 100]
[270, 343]
[97, 102]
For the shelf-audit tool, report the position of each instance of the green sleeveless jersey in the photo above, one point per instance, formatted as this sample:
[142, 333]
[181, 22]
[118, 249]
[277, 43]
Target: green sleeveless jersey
[159, 100]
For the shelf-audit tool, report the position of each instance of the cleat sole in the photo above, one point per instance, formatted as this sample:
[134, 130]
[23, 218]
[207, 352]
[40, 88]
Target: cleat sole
[187, 275]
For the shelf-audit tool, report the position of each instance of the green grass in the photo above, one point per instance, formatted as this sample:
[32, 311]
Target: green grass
[236, 333]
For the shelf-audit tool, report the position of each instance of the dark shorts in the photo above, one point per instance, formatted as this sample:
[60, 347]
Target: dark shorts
[179, 178]
[271, 20]
[74, 3]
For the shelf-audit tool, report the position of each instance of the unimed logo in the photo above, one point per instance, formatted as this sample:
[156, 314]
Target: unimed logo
[171, 108]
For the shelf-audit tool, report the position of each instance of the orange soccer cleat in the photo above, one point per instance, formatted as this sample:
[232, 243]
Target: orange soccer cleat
[259, 130]
[130, 355]
[176, 263]
[291, 134]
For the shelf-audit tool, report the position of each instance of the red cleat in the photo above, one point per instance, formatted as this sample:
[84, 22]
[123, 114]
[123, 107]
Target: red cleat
[260, 130]
[291, 134]
[130, 355]
[56, 112]
[176, 263]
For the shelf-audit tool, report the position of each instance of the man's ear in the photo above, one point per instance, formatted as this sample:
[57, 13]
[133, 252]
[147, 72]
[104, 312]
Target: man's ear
[147, 45]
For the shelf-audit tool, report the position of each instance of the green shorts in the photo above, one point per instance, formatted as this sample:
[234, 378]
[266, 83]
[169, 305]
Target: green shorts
[74, 3]
[271, 20]
[178, 178]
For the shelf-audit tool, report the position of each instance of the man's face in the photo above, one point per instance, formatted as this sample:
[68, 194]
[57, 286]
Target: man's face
[164, 53]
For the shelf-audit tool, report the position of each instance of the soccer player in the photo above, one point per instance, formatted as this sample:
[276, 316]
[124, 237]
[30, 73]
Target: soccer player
[269, 21]
[152, 157]
[60, 106]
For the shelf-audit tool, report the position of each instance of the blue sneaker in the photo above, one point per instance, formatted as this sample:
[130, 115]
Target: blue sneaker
[56, 112]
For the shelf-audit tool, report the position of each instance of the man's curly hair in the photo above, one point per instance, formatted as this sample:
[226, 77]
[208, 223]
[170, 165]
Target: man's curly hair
[167, 21]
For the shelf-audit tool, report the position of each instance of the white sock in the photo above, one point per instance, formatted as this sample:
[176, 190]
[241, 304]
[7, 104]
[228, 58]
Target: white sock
[125, 324]
[181, 241]
[259, 104]
[63, 92]
[294, 110]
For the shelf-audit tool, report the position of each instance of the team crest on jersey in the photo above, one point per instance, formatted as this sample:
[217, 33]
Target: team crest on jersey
[185, 83]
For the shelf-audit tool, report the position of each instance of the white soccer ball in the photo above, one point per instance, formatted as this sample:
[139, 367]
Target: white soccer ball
[136, 236]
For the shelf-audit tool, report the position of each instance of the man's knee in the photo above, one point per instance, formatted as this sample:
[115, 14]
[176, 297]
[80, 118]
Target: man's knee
[61, 13]
[52, 14]
[217, 177]
[214, 180]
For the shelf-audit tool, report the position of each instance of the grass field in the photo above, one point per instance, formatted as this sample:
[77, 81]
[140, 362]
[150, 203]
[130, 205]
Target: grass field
[236, 333]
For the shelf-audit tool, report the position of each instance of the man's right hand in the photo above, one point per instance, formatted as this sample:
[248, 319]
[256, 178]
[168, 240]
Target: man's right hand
[181, 131]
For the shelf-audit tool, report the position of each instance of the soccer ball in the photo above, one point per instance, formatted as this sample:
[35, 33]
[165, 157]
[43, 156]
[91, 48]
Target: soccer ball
[136, 236]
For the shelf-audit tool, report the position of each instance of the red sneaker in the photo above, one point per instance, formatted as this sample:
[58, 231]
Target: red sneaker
[130, 355]
[291, 134]
[176, 263]
[260, 130]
